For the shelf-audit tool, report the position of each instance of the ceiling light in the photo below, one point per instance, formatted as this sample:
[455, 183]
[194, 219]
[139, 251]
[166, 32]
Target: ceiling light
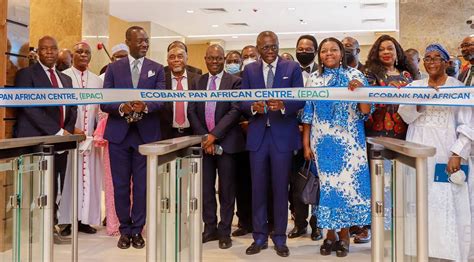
[190, 11]
[215, 26]
[234, 36]
[291, 9]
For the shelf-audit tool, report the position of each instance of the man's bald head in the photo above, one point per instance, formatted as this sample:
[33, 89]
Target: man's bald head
[215, 59]
[48, 51]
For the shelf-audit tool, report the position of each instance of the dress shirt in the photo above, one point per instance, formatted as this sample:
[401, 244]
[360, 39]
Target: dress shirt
[131, 59]
[218, 80]
[60, 85]
[265, 69]
[174, 86]
[306, 74]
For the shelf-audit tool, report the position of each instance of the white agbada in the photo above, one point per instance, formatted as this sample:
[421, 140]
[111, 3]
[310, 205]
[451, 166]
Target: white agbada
[90, 161]
[449, 216]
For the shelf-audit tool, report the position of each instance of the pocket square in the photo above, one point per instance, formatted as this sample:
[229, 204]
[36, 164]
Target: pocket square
[151, 73]
[285, 77]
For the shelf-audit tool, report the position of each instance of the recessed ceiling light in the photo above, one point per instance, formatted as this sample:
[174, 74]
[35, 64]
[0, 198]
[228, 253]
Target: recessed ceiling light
[190, 11]
[291, 9]
[234, 36]
[215, 26]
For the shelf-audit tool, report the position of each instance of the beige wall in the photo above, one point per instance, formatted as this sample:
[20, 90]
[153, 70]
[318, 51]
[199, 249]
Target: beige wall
[196, 54]
[61, 19]
[117, 28]
[423, 22]
[95, 29]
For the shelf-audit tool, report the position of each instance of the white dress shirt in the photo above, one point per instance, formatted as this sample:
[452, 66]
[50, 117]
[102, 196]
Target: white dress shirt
[218, 80]
[131, 59]
[306, 74]
[265, 70]
[60, 85]
[174, 86]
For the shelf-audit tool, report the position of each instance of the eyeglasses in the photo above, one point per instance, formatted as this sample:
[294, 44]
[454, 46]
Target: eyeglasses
[436, 60]
[267, 48]
[215, 58]
[466, 45]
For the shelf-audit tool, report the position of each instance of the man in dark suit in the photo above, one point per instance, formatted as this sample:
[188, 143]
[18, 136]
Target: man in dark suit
[46, 121]
[272, 137]
[173, 117]
[219, 121]
[306, 48]
[129, 125]
[467, 50]
[352, 50]
[189, 68]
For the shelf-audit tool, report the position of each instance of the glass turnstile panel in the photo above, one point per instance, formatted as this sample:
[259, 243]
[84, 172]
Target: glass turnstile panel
[399, 212]
[183, 195]
[22, 218]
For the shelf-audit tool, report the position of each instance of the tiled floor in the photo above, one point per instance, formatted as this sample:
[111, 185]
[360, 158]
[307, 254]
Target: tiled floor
[102, 248]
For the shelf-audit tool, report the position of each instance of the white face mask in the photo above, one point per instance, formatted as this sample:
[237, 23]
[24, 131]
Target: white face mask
[247, 61]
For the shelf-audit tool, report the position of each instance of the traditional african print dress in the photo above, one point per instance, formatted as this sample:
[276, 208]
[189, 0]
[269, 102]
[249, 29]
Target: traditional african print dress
[338, 142]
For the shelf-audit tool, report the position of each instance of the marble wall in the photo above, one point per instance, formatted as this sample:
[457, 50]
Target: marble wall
[426, 21]
[61, 19]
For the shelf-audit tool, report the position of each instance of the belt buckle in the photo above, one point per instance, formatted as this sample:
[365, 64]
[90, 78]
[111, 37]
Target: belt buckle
[180, 130]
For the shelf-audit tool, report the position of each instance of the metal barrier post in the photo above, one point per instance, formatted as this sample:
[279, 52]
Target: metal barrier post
[421, 209]
[152, 207]
[196, 205]
[75, 205]
[377, 187]
[47, 193]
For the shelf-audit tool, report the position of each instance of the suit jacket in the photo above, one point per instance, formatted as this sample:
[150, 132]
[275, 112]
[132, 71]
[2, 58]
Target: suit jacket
[42, 121]
[189, 68]
[464, 73]
[227, 116]
[166, 113]
[118, 75]
[284, 127]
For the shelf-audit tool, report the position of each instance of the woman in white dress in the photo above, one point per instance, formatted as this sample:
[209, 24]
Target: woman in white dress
[449, 216]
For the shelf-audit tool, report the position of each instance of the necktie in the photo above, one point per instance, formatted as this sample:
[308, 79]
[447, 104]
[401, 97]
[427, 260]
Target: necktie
[179, 116]
[307, 69]
[470, 76]
[270, 77]
[211, 107]
[135, 73]
[54, 83]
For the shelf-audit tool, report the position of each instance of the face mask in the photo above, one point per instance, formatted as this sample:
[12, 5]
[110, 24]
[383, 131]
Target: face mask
[247, 61]
[451, 71]
[232, 68]
[305, 58]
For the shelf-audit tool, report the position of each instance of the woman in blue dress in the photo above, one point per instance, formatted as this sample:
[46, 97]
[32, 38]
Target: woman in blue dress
[333, 135]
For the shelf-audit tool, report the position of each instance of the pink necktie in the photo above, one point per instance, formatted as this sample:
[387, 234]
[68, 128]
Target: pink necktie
[211, 107]
[179, 116]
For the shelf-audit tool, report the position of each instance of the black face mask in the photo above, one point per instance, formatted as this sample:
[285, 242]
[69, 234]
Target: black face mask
[305, 58]
[451, 71]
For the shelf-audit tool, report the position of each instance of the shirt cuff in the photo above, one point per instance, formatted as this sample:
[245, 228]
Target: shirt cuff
[120, 110]
[60, 132]
[282, 111]
[462, 147]
[146, 109]
[253, 111]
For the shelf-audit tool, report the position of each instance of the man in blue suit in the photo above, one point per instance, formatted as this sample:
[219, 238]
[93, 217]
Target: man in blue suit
[128, 126]
[272, 137]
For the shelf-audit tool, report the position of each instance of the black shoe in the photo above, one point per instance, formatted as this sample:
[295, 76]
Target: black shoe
[225, 243]
[66, 231]
[255, 249]
[124, 242]
[138, 241]
[327, 247]
[209, 237]
[363, 237]
[316, 234]
[240, 232]
[342, 248]
[282, 250]
[84, 228]
[296, 232]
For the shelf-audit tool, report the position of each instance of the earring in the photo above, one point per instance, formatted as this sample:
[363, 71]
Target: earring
[396, 62]
[340, 62]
